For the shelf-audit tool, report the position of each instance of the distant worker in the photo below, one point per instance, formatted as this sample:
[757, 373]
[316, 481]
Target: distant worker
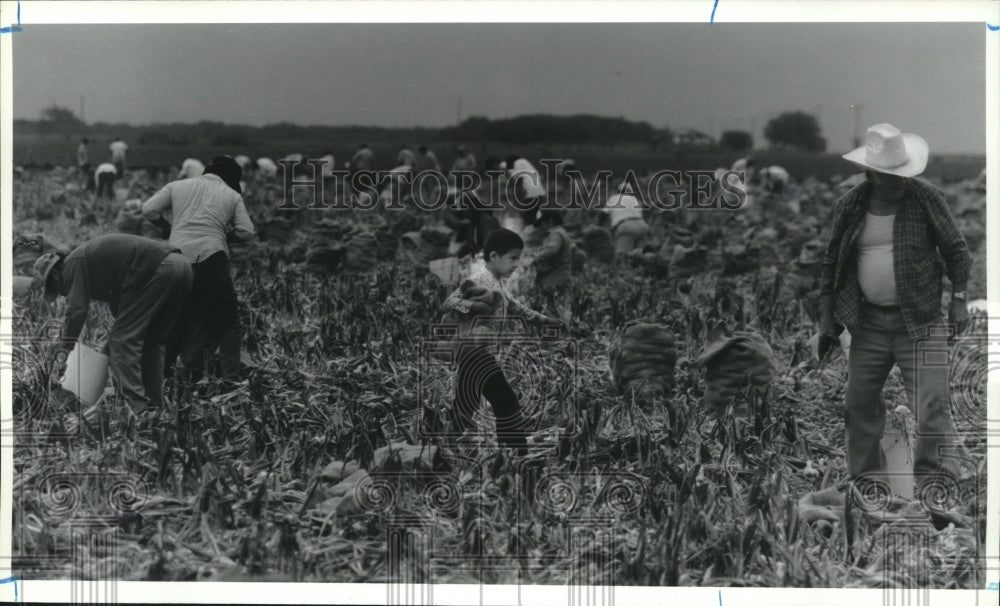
[363, 159]
[529, 191]
[191, 168]
[83, 163]
[407, 157]
[118, 149]
[628, 226]
[428, 159]
[566, 165]
[463, 160]
[554, 266]
[773, 178]
[105, 176]
[245, 163]
[144, 282]
[329, 163]
[745, 165]
[266, 170]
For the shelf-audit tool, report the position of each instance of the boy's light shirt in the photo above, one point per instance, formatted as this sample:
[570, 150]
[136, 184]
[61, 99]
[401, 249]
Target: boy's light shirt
[485, 330]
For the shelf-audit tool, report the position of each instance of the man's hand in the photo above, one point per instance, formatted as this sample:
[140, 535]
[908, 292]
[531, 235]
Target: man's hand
[958, 315]
[59, 365]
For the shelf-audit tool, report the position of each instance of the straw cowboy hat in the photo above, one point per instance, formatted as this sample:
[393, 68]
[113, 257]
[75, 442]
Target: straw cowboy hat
[887, 150]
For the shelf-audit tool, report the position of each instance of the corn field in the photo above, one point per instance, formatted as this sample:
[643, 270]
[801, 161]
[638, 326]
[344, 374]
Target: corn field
[616, 490]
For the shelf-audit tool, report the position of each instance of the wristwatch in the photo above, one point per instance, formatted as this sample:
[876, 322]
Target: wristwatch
[961, 295]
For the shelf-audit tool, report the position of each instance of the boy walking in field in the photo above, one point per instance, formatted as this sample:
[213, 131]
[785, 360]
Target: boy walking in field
[479, 373]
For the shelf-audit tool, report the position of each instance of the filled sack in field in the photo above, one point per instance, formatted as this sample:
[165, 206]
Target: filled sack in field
[802, 276]
[278, 231]
[643, 357]
[28, 247]
[436, 235]
[324, 256]
[361, 253]
[416, 249]
[598, 243]
[765, 241]
[129, 222]
[739, 259]
[331, 229]
[681, 235]
[23, 285]
[686, 262]
[732, 363]
[57, 196]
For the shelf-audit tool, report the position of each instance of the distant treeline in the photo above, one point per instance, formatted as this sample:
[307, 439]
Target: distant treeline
[537, 128]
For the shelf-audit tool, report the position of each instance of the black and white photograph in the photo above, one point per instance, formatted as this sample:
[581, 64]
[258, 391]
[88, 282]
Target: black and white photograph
[392, 302]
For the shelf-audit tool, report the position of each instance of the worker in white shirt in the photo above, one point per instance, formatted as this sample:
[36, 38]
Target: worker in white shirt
[628, 227]
[267, 169]
[464, 160]
[208, 212]
[105, 176]
[191, 168]
[407, 157]
[118, 149]
[773, 178]
[428, 159]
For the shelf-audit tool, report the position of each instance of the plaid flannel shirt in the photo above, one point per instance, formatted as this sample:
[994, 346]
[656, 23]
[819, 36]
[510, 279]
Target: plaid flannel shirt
[924, 232]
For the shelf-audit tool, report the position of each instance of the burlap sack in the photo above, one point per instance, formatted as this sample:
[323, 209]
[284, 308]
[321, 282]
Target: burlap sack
[598, 243]
[129, 222]
[361, 253]
[686, 262]
[734, 363]
[643, 356]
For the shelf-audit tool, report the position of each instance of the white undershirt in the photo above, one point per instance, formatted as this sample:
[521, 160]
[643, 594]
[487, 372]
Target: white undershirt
[875, 267]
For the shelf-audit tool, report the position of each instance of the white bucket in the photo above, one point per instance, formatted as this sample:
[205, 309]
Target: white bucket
[86, 374]
[898, 454]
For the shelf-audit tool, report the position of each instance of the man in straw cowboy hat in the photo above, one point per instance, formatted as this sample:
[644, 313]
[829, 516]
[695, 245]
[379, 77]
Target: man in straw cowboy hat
[144, 282]
[881, 279]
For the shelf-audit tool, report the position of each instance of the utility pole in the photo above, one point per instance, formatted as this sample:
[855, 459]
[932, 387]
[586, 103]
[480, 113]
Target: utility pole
[857, 123]
[458, 110]
[82, 115]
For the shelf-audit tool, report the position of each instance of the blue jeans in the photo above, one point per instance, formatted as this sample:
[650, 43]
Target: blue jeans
[877, 343]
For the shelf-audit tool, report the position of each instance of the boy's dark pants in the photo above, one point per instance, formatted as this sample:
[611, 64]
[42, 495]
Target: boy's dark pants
[479, 374]
[209, 319]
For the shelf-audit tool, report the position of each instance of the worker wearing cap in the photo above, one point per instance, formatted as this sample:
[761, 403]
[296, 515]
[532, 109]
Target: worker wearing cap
[144, 282]
[208, 211]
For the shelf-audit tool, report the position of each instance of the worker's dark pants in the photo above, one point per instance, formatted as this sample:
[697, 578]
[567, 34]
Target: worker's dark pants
[479, 374]
[209, 320]
[106, 185]
[88, 174]
[144, 318]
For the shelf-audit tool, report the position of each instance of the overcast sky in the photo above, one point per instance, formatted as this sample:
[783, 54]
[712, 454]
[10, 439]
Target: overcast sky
[923, 78]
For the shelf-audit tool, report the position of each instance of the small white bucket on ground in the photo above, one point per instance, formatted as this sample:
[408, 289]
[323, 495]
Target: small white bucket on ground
[898, 452]
[86, 374]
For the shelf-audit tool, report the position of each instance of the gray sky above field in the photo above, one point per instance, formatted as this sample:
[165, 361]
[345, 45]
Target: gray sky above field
[924, 78]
